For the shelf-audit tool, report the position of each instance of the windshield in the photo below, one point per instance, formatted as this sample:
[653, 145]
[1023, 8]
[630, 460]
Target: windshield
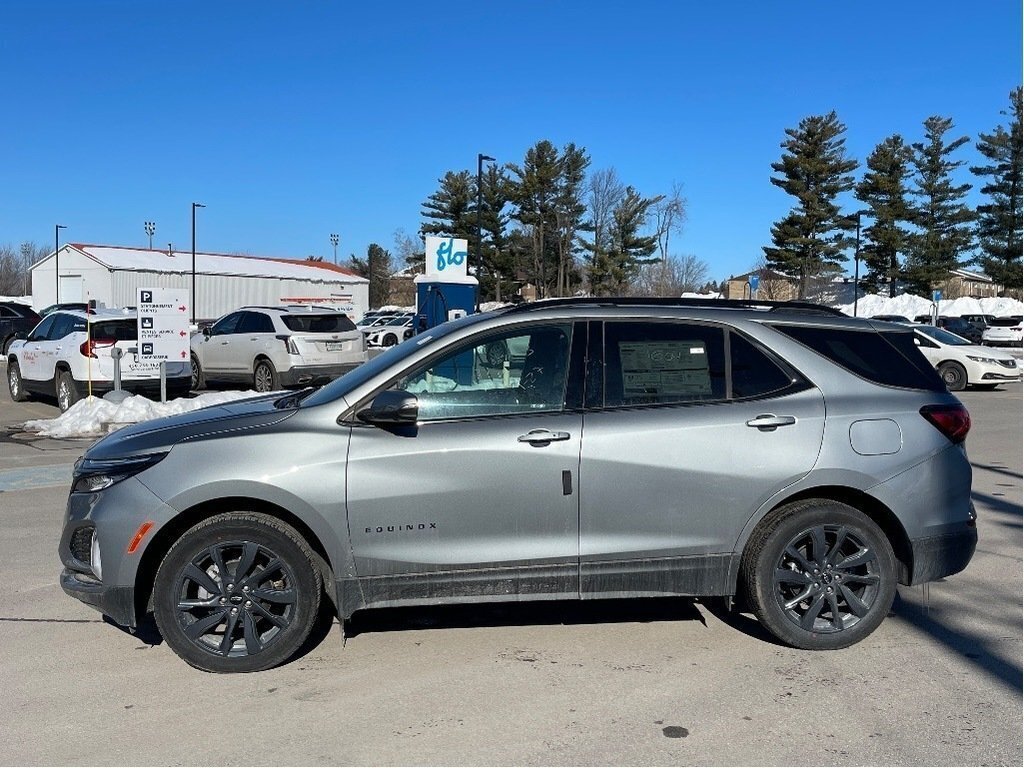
[945, 337]
[382, 362]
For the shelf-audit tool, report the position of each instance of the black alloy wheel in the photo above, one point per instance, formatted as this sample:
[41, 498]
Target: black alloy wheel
[823, 577]
[237, 593]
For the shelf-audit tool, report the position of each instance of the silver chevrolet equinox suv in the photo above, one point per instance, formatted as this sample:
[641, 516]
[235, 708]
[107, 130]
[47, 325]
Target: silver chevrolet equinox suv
[806, 461]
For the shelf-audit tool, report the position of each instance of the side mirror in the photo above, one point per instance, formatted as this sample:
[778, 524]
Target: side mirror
[206, 331]
[391, 407]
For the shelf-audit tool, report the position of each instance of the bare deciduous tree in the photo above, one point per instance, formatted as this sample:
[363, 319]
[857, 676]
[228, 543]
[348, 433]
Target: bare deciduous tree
[15, 264]
[604, 192]
[671, 277]
[669, 217]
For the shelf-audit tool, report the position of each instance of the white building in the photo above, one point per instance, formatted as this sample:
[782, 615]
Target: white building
[112, 276]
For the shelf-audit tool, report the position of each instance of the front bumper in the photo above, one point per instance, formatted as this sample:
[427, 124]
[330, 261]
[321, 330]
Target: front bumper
[116, 602]
[303, 375]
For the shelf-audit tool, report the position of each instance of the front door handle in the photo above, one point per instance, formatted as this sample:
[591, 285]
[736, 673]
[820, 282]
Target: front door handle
[542, 437]
[768, 422]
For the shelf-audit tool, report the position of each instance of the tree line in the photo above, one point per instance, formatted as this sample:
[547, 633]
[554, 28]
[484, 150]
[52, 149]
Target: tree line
[916, 222]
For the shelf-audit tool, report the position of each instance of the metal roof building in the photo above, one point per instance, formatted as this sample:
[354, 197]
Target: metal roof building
[112, 276]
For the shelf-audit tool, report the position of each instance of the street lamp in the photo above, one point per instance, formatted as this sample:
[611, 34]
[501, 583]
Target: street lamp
[56, 256]
[856, 264]
[334, 242]
[150, 230]
[194, 206]
[480, 158]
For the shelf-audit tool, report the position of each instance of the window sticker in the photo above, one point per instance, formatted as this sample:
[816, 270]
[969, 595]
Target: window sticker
[656, 371]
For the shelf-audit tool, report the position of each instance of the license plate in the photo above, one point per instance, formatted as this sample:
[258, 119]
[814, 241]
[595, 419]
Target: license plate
[335, 346]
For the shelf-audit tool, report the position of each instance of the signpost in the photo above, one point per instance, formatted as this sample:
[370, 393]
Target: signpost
[753, 281]
[163, 328]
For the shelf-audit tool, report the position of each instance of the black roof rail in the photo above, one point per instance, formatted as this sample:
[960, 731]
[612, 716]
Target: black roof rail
[791, 307]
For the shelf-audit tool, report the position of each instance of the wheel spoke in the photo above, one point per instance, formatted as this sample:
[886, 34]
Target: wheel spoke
[285, 596]
[274, 619]
[197, 629]
[191, 605]
[819, 547]
[789, 576]
[863, 557]
[202, 578]
[218, 559]
[865, 578]
[790, 605]
[807, 622]
[857, 606]
[802, 561]
[245, 564]
[227, 641]
[837, 547]
[262, 575]
[252, 636]
[837, 616]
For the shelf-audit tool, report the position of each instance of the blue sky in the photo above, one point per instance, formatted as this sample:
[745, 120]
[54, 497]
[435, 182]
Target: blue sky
[293, 120]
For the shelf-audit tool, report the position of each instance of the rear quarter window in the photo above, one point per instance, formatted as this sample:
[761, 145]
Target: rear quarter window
[318, 323]
[889, 358]
[118, 330]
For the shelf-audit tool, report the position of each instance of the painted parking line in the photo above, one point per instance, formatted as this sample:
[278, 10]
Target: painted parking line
[35, 477]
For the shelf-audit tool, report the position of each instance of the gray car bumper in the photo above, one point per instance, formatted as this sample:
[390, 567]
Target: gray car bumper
[314, 374]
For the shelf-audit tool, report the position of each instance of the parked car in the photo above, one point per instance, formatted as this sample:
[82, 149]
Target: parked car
[391, 331]
[892, 318]
[80, 306]
[1004, 331]
[68, 355]
[16, 320]
[961, 363]
[714, 464]
[981, 322]
[268, 348]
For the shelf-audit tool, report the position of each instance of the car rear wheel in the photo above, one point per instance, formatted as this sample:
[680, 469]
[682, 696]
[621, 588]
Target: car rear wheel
[67, 392]
[7, 345]
[389, 340]
[198, 380]
[822, 576]
[237, 593]
[264, 377]
[954, 376]
[14, 382]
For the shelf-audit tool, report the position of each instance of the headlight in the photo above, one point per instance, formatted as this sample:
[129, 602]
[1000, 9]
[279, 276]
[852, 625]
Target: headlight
[988, 360]
[92, 475]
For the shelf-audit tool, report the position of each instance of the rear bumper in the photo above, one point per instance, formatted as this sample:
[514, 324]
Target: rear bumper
[939, 556]
[314, 374]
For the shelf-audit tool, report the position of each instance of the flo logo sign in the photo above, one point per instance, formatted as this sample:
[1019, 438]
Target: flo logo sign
[446, 257]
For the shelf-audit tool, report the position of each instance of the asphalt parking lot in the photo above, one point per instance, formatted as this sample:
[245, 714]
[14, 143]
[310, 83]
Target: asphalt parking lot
[657, 682]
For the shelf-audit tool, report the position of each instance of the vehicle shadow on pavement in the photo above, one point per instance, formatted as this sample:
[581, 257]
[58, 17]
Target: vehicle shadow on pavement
[567, 612]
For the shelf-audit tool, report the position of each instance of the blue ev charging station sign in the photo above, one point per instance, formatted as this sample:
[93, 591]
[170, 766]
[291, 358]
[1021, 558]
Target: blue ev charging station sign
[163, 324]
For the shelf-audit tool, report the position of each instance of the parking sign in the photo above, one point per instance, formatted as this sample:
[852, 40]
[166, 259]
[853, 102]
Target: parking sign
[163, 324]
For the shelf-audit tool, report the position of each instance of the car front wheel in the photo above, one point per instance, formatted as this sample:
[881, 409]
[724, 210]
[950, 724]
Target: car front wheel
[822, 577]
[954, 376]
[237, 593]
[14, 382]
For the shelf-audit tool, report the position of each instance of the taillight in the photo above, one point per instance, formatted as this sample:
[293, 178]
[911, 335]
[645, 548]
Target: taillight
[951, 420]
[89, 346]
[289, 344]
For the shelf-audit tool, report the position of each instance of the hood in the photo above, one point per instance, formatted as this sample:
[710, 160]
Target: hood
[161, 434]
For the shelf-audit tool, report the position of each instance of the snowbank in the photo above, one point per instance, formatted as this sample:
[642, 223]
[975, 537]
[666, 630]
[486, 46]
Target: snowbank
[94, 417]
[909, 305]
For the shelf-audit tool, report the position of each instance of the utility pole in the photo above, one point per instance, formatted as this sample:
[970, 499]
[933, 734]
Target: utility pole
[479, 239]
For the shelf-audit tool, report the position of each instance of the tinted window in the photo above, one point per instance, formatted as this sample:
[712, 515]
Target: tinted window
[1005, 322]
[255, 322]
[657, 363]
[946, 337]
[41, 330]
[118, 330]
[62, 325]
[8, 312]
[521, 371]
[226, 325]
[754, 374]
[334, 323]
[889, 358]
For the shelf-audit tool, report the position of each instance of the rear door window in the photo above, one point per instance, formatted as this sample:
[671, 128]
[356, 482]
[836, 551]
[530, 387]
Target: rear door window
[255, 322]
[326, 323]
[752, 372]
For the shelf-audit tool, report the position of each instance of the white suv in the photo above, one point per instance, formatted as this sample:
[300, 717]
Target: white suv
[68, 354]
[269, 348]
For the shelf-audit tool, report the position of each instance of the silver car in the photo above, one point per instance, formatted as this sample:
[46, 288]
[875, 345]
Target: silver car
[804, 462]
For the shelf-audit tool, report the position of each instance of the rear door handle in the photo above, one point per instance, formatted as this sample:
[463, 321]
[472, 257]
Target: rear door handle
[768, 422]
[542, 437]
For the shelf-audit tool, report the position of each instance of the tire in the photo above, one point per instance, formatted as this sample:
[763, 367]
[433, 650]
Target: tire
[15, 383]
[66, 391]
[198, 379]
[264, 376]
[822, 576]
[7, 345]
[954, 375]
[389, 340]
[255, 619]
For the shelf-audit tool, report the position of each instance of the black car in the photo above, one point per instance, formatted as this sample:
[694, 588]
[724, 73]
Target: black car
[956, 325]
[15, 319]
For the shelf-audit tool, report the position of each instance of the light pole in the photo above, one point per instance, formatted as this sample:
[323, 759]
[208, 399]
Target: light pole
[56, 256]
[856, 265]
[334, 242]
[151, 230]
[194, 206]
[479, 203]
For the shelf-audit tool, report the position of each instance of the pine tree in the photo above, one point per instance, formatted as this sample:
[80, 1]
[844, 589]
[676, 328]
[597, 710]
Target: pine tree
[629, 249]
[811, 239]
[534, 195]
[450, 210]
[569, 212]
[497, 256]
[999, 219]
[884, 189]
[941, 213]
[376, 268]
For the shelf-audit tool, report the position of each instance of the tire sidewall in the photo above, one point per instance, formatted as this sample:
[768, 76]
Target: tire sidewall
[767, 608]
[65, 378]
[274, 383]
[960, 382]
[237, 527]
[14, 373]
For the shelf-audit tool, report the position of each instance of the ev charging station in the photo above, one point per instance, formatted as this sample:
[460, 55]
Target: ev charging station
[446, 291]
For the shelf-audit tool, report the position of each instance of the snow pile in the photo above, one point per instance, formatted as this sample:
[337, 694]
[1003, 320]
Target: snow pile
[26, 300]
[93, 416]
[909, 306]
[688, 295]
